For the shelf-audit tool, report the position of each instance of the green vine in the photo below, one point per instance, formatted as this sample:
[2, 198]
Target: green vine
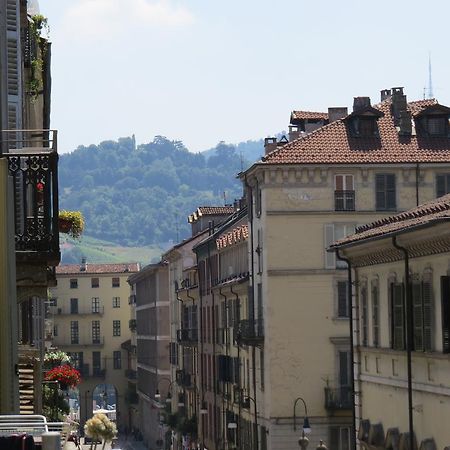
[38, 24]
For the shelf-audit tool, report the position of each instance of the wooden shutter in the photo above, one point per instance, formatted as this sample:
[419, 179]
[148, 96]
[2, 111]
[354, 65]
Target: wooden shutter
[364, 316]
[375, 316]
[342, 294]
[416, 289]
[380, 189]
[398, 317]
[440, 185]
[390, 191]
[330, 257]
[427, 298]
[445, 313]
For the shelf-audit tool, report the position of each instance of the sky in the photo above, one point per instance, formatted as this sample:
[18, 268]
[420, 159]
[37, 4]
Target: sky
[204, 71]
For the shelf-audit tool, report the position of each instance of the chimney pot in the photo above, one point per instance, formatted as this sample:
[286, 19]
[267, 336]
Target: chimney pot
[83, 265]
[294, 132]
[270, 144]
[386, 94]
[360, 103]
[336, 113]
[399, 103]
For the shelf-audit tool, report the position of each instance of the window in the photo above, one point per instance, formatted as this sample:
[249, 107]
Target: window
[364, 316]
[96, 331]
[116, 282]
[340, 438]
[95, 305]
[116, 302]
[73, 283]
[73, 306]
[442, 184]
[55, 330]
[437, 126]
[76, 359]
[259, 251]
[343, 303]
[375, 315]
[333, 232]
[117, 359]
[344, 194]
[53, 301]
[445, 312]
[385, 194]
[95, 282]
[422, 315]
[258, 200]
[116, 327]
[74, 335]
[96, 364]
[397, 315]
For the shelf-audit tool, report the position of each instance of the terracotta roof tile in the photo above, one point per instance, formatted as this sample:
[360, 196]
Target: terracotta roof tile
[234, 236]
[332, 144]
[299, 115]
[69, 269]
[433, 210]
[210, 211]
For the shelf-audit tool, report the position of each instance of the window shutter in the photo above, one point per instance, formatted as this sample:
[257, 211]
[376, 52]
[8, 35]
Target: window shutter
[342, 293]
[417, 315]
[380, 188]
[398, 318]
[364, 316]
[375, 317]
[390, 191]
[427, 295]
[330, 257]
[445, 312]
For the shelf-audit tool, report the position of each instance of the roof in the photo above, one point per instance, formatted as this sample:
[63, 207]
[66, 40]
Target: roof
[432, 211]
[72, 269]
[210, 211]
[301, 115]
[234, 236]
[332, 144]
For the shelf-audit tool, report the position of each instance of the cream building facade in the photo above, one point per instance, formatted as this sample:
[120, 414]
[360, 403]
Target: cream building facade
[303, 195]
[91, 322]
[401, 337]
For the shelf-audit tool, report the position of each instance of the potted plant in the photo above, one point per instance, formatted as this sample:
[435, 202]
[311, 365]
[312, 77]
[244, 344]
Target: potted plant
[71, 222]
[66, 376]
[100, 427]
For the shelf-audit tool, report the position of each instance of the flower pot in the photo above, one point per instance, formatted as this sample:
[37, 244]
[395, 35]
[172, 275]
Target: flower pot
[64, 225]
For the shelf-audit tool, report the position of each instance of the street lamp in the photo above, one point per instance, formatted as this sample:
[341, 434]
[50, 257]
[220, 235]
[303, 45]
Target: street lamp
[303, 441]
[158, 394]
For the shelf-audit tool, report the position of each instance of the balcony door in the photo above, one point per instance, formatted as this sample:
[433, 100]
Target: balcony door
[344, 376]
[344, 193]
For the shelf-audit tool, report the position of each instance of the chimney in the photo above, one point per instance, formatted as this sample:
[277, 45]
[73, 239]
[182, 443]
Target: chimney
[399, 103]
[270, 144]
[337, 113]
[386, 94]
[405, 123]
[83, 265]
[361, 103]
[294, 132]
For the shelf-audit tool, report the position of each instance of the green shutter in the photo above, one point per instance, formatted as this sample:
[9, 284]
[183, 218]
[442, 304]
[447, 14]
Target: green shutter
[398, 317]
[427, 295]
[416, 289]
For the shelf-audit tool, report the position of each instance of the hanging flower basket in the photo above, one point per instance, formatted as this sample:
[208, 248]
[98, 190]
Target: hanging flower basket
[71, 222]
[65, 375]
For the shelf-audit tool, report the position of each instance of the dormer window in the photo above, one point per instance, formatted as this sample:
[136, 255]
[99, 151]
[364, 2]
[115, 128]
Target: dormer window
[364, 126]
[438, 126]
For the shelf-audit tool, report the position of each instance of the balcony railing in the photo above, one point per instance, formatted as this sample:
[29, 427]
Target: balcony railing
[338, 398]
[96, 372]
[99, 310]
[183, 379]
[132, 324]
[131, 374]
[93, 342]
[187, 336]
[344, 200]
[249, 332]
[33, 167]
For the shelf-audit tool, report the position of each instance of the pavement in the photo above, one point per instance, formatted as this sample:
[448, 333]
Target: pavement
[122, 443]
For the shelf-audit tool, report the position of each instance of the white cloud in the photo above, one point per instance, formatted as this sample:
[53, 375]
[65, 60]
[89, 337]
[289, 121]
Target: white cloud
[110, 18]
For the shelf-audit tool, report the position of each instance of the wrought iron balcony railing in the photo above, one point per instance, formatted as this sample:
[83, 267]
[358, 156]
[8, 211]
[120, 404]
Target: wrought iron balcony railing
[183, 379]
[344, 200]
[187, 336]
[33, 167]
[131, 374]
[249, 332]
[338, 398]
[65, 311]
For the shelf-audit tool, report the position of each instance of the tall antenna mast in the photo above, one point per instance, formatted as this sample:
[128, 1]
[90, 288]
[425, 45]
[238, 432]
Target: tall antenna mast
[430, 82]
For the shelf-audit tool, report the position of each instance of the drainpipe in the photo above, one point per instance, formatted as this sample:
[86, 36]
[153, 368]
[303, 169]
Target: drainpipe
[352, 352]
[417, 183]
[238, 306]
[224, 429]
[409, 336]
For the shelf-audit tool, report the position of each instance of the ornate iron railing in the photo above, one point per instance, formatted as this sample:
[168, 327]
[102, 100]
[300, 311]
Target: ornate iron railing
[33, 168]
[187, 336]
[338, 398]
[344, 200]
[249, 332]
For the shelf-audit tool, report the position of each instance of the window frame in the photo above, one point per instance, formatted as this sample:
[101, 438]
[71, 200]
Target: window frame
[375, 310]
[115, 282]
[73, 283]
[117, 359]
[94, 284]
[116, 328]
[346, 195]
[339, 290]
[74, 306]
[95, 332]
[116, 302]
[442, 178]
[95, 305]
[383, 192]
[74, 332]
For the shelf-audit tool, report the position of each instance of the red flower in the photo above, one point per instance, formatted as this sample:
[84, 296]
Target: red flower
[66, 375]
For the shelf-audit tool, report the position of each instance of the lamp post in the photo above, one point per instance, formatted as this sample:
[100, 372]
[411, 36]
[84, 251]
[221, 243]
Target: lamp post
[158, 394]
[303, 441]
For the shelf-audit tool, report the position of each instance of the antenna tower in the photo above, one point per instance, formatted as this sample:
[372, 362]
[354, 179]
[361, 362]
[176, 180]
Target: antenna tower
[430, 82]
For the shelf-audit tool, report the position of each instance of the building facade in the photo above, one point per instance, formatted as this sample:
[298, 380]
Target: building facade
[303, 195]
[91, 322]
[150, 287]
[400, 268]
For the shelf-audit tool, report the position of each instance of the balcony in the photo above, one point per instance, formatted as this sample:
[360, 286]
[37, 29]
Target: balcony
[338, 398]
[96, 372]
[131, 374]
[80, 342]
[249, 332]
[344, 200]
[132, 324]
[183, 379]
[187, 337]
[33, 167]
[98, 311]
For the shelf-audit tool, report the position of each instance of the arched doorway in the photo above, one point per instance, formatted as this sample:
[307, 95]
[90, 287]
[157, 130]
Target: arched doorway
[105, 400]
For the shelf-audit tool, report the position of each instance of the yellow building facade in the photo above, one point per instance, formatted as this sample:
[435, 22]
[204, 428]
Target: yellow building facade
[91, 320]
